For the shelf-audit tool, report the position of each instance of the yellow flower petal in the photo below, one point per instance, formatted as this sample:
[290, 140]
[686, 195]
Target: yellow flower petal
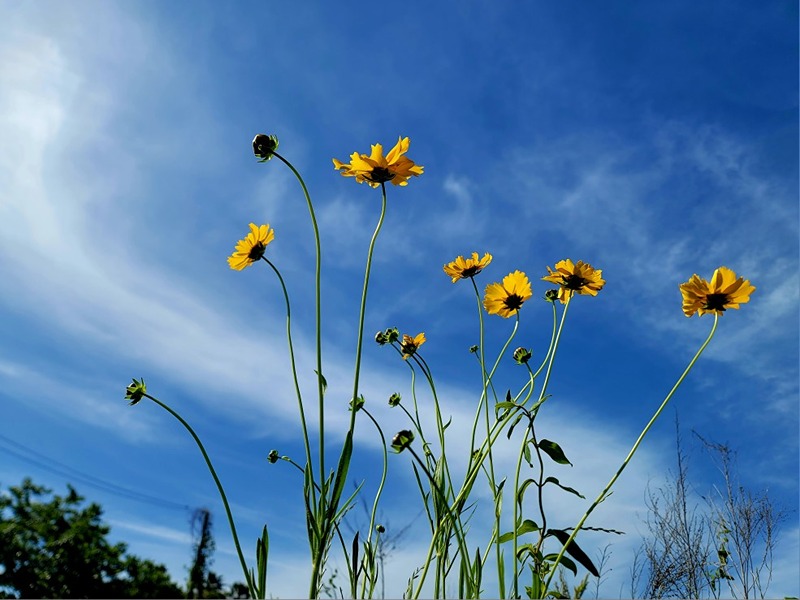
[376, 168]
[724, 291]
[505, 299]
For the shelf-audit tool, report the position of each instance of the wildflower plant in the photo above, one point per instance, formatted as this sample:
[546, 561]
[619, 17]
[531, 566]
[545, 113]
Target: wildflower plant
[523, 546]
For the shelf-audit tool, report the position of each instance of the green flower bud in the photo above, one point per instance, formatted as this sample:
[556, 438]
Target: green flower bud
[380, 338]
[402, 440]
[264, 146]
[394, 399]
[551, 295]
[273, 456]
[135, 391]
[522, 355]
[392, 335]
[473, 349]
[357, 403]
[380, 529]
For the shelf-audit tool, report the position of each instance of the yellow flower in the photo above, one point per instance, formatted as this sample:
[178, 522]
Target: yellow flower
[724, 291]
[410, 345]
[462, 268]
[579, 277]
[376, 169]
[506, 298]
[251, 248]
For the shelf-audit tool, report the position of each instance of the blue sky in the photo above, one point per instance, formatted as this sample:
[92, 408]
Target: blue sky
[653, 140]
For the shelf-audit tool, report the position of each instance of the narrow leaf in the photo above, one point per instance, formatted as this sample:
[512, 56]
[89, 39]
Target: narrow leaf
[563, 487]
[574, 550]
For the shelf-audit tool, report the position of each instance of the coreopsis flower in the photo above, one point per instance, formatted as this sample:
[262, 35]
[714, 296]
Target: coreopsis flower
[724, 291]
[252, 247]
[376, 168]
[264, 146]
[409, 345]
[135, 391]
[505, 299]
[464, 268]
[580, 277]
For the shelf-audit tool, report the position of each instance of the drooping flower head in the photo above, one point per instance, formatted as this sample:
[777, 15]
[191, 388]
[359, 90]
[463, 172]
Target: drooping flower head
[505, 299]
[724, 291]
[464, 268]
[251, 248]
[580, 277]
[409, 345]
[264, 146]
[377, 168]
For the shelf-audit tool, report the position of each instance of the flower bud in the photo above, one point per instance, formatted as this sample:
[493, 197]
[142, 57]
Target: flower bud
[380, 529]
[392, 335]
[473, 349]
[264, 146]
[380, 338]
[394, 399]
[522, 355]
[273, 456]
[357, 403]
[551, 295]
[402, 440]
[135, 391]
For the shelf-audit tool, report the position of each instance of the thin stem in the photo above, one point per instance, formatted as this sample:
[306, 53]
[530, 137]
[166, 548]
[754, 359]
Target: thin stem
[318, 317]
[554, 349]
[221, 490]
[363, 308]
[602, 496]
[379, 492]
[294, 368]
[492, 482]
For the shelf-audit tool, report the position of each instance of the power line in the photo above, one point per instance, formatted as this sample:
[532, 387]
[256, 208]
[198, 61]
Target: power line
[70, 472]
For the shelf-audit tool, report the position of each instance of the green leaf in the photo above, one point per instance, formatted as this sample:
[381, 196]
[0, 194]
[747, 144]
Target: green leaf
[574, 550]
[525, 549]
[521, 490]
[527, 526]
[501, 405]
[564, 562]
[554, 451]
[513, 424]
[262, 553]
[341, 475]
[526, 452]
[563, 487]
[323, 381]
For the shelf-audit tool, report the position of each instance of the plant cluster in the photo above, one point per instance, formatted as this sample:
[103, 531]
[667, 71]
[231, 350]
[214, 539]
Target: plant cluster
[525, 550]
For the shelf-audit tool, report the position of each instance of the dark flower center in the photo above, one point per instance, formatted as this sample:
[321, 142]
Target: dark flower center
[257, 251]
[470, 271]
[574, 282]
[513, 302]
[409, 348]
[716, 302]
[380, 175]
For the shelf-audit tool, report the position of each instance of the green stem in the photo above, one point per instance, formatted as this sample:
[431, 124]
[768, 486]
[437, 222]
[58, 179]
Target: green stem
[554, 349]
[602, 496]
[221, 490]
[501, 584]
[294, 368]
[377, 496]
[462, 544]
[318, 316]
[363, 308]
